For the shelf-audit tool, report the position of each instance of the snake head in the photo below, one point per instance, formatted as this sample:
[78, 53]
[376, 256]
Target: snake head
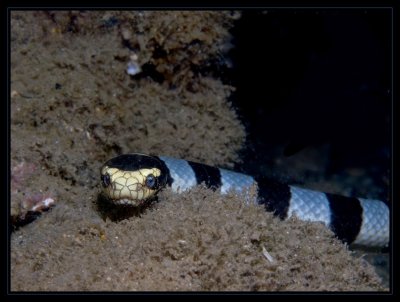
[131, 179]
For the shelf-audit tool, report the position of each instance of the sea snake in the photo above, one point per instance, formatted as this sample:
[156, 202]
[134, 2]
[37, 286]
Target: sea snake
[131, 179]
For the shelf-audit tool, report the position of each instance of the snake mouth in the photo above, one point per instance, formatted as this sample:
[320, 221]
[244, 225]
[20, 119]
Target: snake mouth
[127, 202]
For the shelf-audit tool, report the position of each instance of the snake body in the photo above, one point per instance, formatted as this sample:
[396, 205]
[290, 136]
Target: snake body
[131, 179]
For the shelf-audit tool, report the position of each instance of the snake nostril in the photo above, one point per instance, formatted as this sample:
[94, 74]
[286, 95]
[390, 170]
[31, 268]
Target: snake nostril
[105, 180]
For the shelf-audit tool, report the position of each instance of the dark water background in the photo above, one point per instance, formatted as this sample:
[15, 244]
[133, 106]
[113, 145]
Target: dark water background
[316, 80]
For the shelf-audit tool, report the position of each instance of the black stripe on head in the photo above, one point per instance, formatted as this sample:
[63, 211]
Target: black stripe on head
[346, 217]
[211, 176]
[165, 170]
[132, 162]
[274, 196]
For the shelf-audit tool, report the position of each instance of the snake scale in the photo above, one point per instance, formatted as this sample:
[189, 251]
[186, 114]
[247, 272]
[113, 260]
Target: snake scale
[131, 179]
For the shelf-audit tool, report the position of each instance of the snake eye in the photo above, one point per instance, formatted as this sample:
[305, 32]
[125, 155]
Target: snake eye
[105, 180]
[151, 181]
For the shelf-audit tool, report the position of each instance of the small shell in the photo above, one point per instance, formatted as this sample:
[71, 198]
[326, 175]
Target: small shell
[133, 68]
